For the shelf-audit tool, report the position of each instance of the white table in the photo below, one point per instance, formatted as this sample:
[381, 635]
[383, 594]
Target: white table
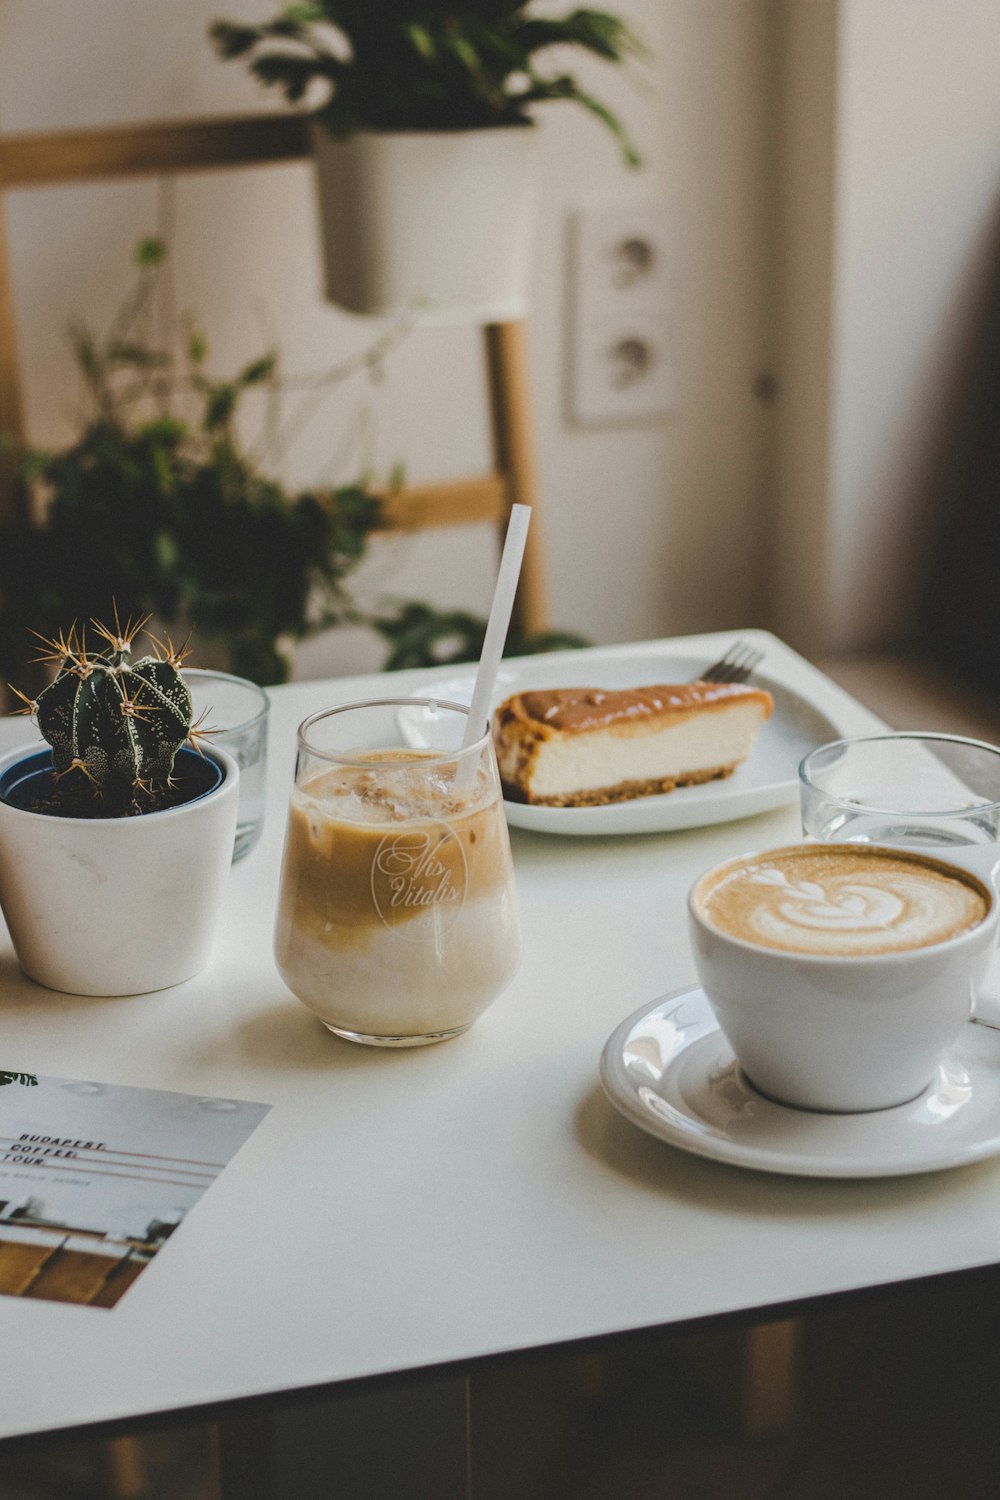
[401, 1210]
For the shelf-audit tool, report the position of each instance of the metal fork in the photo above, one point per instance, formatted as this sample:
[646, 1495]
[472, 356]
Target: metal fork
[737, 664]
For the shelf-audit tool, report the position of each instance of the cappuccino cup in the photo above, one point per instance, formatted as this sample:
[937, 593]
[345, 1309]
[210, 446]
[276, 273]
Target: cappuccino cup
[841, 974]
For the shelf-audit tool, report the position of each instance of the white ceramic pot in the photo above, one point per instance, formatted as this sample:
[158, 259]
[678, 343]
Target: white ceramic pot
[435, 222]
[117, 906]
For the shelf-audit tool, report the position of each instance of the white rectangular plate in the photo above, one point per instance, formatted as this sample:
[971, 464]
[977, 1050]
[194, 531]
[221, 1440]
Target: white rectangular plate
[768, 779]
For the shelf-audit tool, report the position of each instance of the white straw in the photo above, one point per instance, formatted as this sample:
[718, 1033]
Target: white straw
[496, 628]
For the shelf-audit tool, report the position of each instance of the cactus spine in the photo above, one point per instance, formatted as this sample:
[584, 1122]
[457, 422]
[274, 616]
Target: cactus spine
[114, 725]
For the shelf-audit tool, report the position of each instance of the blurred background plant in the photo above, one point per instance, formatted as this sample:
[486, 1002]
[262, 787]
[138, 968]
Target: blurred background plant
[427, 64]
[160, 505]
[420, 636]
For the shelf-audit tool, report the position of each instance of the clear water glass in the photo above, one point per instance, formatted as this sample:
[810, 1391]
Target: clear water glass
[236, 711]
[902, 788]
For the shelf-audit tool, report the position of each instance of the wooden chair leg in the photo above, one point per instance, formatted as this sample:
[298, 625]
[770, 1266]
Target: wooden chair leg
[514, 450]
[122, 1469]
[770, 1379]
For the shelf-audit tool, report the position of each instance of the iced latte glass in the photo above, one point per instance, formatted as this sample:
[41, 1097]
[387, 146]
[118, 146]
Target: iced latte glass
[397, 916]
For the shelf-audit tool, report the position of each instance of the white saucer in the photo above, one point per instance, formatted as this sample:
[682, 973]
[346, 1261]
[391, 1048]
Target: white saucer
[669, 1069]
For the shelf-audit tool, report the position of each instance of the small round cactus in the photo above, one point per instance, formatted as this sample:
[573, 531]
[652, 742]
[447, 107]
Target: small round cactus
[114, 725]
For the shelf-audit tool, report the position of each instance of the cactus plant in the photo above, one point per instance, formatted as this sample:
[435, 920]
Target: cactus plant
[114, 724]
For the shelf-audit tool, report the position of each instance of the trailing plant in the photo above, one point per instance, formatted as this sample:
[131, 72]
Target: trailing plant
[420, 636]
[115, 725]
[159, 505]
[427, 64]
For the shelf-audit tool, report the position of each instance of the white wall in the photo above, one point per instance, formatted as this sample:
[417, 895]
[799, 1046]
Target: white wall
[649, 529]
[891, 148]
[918, 188]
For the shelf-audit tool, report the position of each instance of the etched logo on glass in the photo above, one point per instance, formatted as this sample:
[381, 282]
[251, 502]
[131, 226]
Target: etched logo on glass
[419, 871]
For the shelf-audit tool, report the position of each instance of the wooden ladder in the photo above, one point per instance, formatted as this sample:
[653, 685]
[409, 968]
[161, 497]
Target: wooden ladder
[50, 158]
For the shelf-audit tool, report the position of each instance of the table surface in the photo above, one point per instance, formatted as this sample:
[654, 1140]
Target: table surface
[398, 1210]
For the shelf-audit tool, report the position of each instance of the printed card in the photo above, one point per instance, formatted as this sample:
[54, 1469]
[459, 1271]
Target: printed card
[96, 1177]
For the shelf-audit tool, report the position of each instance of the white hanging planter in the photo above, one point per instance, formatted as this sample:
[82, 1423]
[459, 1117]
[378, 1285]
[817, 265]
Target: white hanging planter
[116, 906]
[438, 223]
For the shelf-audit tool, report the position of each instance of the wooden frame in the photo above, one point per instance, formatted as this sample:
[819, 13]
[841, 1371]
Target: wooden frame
[48, 159]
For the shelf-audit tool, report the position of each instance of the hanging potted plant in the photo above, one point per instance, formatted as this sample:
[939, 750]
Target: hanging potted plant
[426, 159]
[116, 841]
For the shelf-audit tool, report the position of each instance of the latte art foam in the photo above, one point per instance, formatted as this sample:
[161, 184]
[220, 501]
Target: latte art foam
[836, 900]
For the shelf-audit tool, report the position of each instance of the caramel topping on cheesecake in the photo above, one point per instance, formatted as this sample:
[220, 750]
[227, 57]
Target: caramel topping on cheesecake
[576, 710]
[580, 747]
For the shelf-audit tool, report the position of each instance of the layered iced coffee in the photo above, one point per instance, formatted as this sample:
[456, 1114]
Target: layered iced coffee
[397, 919]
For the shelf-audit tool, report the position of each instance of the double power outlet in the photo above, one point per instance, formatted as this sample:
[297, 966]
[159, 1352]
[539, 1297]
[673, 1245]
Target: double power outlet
[620, 356]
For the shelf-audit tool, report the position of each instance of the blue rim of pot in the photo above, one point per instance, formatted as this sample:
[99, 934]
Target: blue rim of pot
[25, 778]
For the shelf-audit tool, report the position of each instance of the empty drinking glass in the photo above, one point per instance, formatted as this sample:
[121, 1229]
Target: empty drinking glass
[236, 711]
[902, 788]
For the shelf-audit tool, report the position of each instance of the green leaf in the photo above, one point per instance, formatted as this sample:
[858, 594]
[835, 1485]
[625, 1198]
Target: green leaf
[232, 40]
[34, 464]
[423, 41]
[27, 1080]
[219, 407]
[292, 74]
[150, 252]
[86, 352]
[631, 155]
[257, 370]
[467, 55]
[596, 31]
[338, 117]
[166, 552]
[542, 641]
[197, 347]
[136, 355]
[421, 636]
[565, 87]
[169, 431]
[304, 13]
[163, 470]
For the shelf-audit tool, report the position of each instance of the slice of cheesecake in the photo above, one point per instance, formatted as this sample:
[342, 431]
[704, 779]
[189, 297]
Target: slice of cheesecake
[580, 747]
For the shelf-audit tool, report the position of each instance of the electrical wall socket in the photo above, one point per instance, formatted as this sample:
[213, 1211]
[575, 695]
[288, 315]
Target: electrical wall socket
[620, 351]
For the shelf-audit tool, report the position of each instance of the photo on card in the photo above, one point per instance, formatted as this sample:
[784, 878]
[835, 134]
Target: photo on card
[96, 1178]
